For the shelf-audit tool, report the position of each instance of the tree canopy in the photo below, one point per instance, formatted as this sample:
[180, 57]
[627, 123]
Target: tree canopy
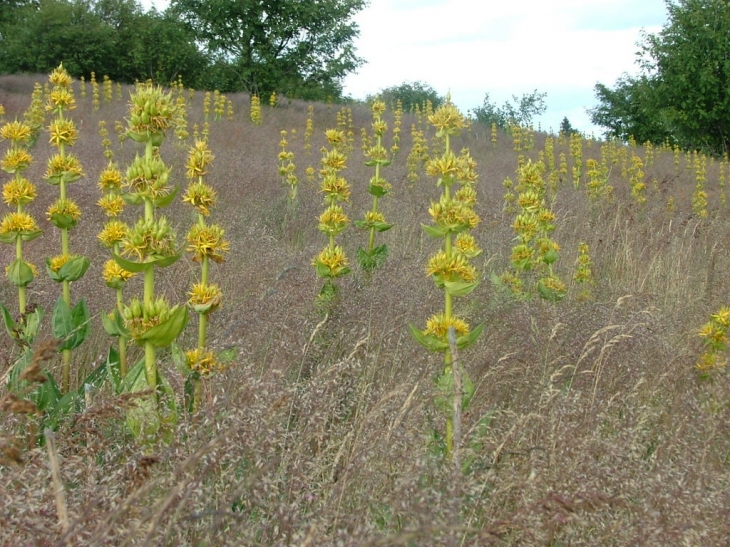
[410, 94]
[521, 111]
[298, 48]
[682, 93]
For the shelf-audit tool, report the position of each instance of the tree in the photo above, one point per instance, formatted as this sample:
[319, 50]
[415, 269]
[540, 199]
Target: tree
[521, 113]
[110, 37]
[629, 110]
[683, 91]
[299, 48]
[411, 95]
[566, 128]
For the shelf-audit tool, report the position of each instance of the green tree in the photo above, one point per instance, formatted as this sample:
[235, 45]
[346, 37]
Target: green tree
[112, 37]
[521, 111]
[683, 91]
[411, 94]
[298, 48]
[566, 128]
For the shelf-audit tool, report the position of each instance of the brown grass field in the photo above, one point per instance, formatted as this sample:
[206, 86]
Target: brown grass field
[589, 426]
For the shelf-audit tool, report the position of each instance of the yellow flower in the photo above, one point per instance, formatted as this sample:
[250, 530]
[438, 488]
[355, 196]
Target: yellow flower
[447, 119]
[18, 133]
[466, 195]
[63, 132]
[378, 108]
[446, 167]
[60, 77]
[709, 361]
[201, 196]
[16, 160]
[467, 173]
[374, 216]
[19, 223]
[113, 204]
[67, 167]
[379, 128]
[456, 268]
[207, 241]
[466, 244]
[110, 179]
[438, 325]
[198, 160]
[335, 137]
[205, 296]
[64, 207]
[722, 317]
[334, 160]
[60, 99]
[150, 239]
[333, 220]
[334, 259]
[114, 232]
[452, 214]
[202, 361]
[58, 261]
[113, 273]
[19, 191]
[336, 189]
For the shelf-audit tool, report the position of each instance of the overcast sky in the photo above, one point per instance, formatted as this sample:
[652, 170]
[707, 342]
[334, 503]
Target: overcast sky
[504, 48]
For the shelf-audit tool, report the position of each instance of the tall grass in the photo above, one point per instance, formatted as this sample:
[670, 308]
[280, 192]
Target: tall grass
[589, 423]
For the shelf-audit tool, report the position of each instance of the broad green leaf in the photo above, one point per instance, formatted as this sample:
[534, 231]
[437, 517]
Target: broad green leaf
[20, 273]
[435, 231]
[468, 339]
[165, 333]
[74, 269]
[459, 288]
[167, 199]
[428, 341]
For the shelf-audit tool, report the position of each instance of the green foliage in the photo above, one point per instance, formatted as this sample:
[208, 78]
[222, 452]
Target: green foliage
[682, 92]
[112, 37]
[629, 110]
[566, 128]
[298, 49]
[411, 95]
[521, 111]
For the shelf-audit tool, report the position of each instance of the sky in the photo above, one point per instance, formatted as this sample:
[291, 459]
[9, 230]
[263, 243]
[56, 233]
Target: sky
[469, 48]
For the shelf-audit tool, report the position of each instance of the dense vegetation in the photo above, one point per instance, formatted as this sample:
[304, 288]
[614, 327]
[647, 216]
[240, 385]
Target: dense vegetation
[303, 49]
[681, 94]
[598, 414]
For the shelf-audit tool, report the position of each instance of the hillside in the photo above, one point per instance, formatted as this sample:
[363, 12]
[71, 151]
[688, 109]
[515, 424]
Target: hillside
[590, 424]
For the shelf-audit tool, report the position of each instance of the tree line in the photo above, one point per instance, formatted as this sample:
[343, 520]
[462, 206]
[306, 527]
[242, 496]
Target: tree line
[301, 49]
[682, 92]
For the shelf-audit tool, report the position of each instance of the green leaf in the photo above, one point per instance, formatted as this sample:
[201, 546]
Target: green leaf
[30, 236]
[166, 200]
[71, 326]
[132, 198]
[136, 267]
[165, 333]
[459, 288]
[228, 355]
[114, 325]
[10, 324]
[20, 273]
[468, 339]
[428, 341]
[63, 221]
[113, 369]
[435, 231]
[180, 360]
[74, 269]
[377, 190]
[550, 257]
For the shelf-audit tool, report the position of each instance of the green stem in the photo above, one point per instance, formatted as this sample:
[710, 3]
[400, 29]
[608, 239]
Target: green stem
[122, 340]
[150, 364]
[19, 256]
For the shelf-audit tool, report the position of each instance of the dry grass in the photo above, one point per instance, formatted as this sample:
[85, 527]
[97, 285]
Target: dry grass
[589, 425]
